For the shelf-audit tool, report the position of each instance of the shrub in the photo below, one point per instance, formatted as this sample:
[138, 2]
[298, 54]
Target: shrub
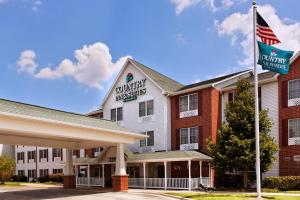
[282, 182]
[56, 178]
[17, 178]
[43, 179]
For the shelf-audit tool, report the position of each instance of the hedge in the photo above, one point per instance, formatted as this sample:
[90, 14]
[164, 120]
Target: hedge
[17, 178]
[282, 182]
[51, 178]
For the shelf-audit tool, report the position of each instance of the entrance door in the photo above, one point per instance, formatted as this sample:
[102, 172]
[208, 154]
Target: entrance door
[160, 171]
[107, 175]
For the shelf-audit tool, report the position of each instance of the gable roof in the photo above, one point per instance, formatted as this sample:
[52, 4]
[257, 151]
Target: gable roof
[164, 82]
[211, 81]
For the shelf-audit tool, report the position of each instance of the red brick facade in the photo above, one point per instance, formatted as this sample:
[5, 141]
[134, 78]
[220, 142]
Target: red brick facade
[287, 165]
[120, 183]
[208, 119]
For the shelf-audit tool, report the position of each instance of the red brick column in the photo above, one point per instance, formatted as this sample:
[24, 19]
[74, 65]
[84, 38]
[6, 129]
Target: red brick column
[69, 181]
[120, 182]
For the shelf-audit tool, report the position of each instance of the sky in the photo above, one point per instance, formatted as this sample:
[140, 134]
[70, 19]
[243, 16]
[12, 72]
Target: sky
[65, 54]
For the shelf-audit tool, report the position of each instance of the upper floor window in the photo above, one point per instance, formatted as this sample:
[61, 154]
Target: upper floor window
[97, 151]
[56, 152]
[31, 155]
[188, 105]
[148, 141]
[43, 153]
[76, 153]
[294, 89]
[20, 156]
[146, 108]
[189, 135]
[116, 114]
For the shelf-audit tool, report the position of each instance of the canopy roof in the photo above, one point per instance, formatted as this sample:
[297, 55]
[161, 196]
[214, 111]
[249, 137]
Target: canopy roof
[26, 124]
[147, 157]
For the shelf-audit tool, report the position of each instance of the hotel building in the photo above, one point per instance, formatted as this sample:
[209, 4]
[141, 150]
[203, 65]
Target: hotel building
[178, 119]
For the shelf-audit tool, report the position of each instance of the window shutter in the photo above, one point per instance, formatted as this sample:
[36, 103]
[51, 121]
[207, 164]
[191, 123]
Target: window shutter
[200, 143]
[177, 107]
[61, 154]
[284, 94]
[53, 154]
[285, 132]
[177, 139]
[40, 153]
[199, 103]
[47, 155]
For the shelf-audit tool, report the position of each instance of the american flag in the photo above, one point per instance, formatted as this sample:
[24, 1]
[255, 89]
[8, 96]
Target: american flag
[265, 32]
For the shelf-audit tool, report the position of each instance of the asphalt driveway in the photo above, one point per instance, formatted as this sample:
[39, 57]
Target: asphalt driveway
[25, 193]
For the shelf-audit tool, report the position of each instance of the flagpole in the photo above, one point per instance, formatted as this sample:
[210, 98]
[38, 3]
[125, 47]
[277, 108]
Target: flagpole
[257, 149]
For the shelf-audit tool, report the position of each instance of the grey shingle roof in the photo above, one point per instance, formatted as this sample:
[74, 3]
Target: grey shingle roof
[210, 81]
[166, 83]
[18, 108]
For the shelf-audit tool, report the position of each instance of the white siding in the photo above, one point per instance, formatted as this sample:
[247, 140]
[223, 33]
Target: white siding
[269, 95]
[160, 122]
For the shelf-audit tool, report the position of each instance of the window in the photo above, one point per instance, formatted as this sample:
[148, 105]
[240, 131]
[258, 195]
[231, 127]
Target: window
[294, 128]
[57, 171]
[294, 89]
[30, 155]
[146, 108]
[111, 159]
[76, 153]
[56, 152]
[20, 156]
[116, 114]
[97, 151]
[21, 172]
[188, 102]
[44, 172]
[31, 173]
[43, 153]
[189, 135]
[148, 141]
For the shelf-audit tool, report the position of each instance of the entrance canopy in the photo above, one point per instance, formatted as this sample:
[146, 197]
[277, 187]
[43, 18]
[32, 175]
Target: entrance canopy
[24, 124]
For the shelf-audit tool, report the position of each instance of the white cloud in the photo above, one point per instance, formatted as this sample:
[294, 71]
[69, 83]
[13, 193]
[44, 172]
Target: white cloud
[181, 5]
[213, 5]
[35, 4]
[180, 38]
[93, 66]
[26, 62]
[3, 1]
[238, 26]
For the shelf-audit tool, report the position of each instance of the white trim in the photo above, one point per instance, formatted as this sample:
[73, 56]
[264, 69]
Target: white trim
[30, 118]
[119, 75]
[294, 57]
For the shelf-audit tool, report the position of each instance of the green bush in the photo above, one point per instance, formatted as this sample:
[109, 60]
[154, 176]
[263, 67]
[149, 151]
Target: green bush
[282, 182]
[17, 178]
[58, 178]
[43, 179]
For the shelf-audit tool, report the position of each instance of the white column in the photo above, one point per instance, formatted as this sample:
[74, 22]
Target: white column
[200, 172]
[190, 179]
[76, 173]
[69, 162]
[209, 174]
[165, 165]
[120, 161]
[103, 177]
[144, 174]
[89, 175]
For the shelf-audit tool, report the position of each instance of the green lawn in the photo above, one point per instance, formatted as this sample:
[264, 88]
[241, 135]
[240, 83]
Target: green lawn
[201, 196]
[11, 184]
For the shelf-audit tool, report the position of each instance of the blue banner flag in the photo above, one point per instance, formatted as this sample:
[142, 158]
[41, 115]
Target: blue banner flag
[274, 59]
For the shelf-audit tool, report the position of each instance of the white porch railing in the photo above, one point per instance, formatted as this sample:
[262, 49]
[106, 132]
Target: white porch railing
[94, 181]
[172, 183]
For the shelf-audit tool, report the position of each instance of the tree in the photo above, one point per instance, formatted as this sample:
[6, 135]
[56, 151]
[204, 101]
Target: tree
[7, 167]
[234, 150]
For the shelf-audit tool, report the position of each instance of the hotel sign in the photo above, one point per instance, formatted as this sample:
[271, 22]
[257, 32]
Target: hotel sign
[131, 90]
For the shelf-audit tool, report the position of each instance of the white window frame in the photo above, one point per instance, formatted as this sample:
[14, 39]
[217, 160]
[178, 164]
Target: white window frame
[56, 152]
[292, 101]
[31, 173]
[116, 109]
[146, 108]
[57, 171]
[293, 140]
[43, 153]
[21, 156]
[189, 145]
[146, 139]
[189, 112]
[44, 172]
